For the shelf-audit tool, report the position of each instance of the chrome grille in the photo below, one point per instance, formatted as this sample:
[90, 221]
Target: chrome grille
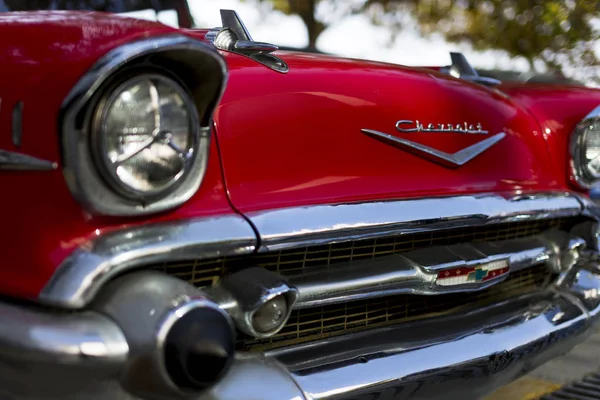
[319, 322]
[287, 262]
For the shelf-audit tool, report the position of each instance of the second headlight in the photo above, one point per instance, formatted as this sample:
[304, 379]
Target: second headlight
[145, 132]
[585, 150]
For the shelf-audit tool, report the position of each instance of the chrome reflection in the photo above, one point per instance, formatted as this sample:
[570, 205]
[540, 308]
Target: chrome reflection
[429, 357]
[79, 277]
[312, 225]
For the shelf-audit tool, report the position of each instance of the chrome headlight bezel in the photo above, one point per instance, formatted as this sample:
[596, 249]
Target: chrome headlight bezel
[197, 66]
[580, 172]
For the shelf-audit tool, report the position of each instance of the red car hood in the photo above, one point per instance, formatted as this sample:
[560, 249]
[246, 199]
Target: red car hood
[295, 139]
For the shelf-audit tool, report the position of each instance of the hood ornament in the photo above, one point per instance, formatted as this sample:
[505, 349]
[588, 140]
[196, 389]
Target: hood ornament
[453, 160]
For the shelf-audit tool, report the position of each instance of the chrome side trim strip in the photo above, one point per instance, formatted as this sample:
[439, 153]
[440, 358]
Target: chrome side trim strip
[312, 225]
[467, 267]
[80, 276]
[13, 161]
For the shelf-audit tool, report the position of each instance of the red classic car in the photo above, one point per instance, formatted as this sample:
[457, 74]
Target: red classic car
[190, 213]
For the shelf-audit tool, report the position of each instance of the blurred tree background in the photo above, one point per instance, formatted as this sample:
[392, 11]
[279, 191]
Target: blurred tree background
[554, 34]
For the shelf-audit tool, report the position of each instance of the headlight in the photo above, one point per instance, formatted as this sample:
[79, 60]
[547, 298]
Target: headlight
[591, 145]
[144, 133]
[585, 150]
[136, 127]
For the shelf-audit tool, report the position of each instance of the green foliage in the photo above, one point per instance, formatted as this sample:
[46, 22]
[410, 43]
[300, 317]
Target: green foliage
[555, 33]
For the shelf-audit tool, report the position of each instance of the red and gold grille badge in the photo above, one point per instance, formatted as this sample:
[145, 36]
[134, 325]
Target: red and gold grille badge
[476, 274]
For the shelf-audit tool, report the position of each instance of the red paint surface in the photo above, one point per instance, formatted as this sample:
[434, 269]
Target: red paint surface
[558, 109]
[41, 222]
[295, 139]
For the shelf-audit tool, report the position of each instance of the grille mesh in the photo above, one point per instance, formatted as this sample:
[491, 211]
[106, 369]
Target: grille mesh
[320, 322]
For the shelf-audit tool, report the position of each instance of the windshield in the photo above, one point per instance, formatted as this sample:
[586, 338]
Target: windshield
[170, 12]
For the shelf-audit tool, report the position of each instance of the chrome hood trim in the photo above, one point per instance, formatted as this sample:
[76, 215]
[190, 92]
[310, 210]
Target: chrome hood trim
[312, 225]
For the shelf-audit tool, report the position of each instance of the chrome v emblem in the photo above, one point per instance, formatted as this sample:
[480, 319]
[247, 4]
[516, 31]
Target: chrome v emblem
[454, 160]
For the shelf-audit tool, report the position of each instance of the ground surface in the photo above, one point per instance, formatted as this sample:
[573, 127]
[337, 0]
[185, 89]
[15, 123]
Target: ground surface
[582, 360]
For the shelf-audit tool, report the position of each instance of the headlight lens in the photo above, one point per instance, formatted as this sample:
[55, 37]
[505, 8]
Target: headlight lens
[145, 135]
[592, 149]
[585, 150]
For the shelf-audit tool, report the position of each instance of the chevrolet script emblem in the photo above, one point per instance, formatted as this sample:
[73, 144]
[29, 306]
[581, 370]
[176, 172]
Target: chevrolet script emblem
[453, 160]
[469, 275]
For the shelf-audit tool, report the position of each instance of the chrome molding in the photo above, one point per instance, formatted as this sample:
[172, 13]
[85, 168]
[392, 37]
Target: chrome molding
[80, 276]
[311, 225]
[422, 271]
[85, 181]
[12, 161]
[453, 160]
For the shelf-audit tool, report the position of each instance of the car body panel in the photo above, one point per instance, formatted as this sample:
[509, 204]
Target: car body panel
[295, 139]
[558, 108]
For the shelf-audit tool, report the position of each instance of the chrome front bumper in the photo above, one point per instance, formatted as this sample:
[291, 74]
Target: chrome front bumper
[461, 356]
[105, 341]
